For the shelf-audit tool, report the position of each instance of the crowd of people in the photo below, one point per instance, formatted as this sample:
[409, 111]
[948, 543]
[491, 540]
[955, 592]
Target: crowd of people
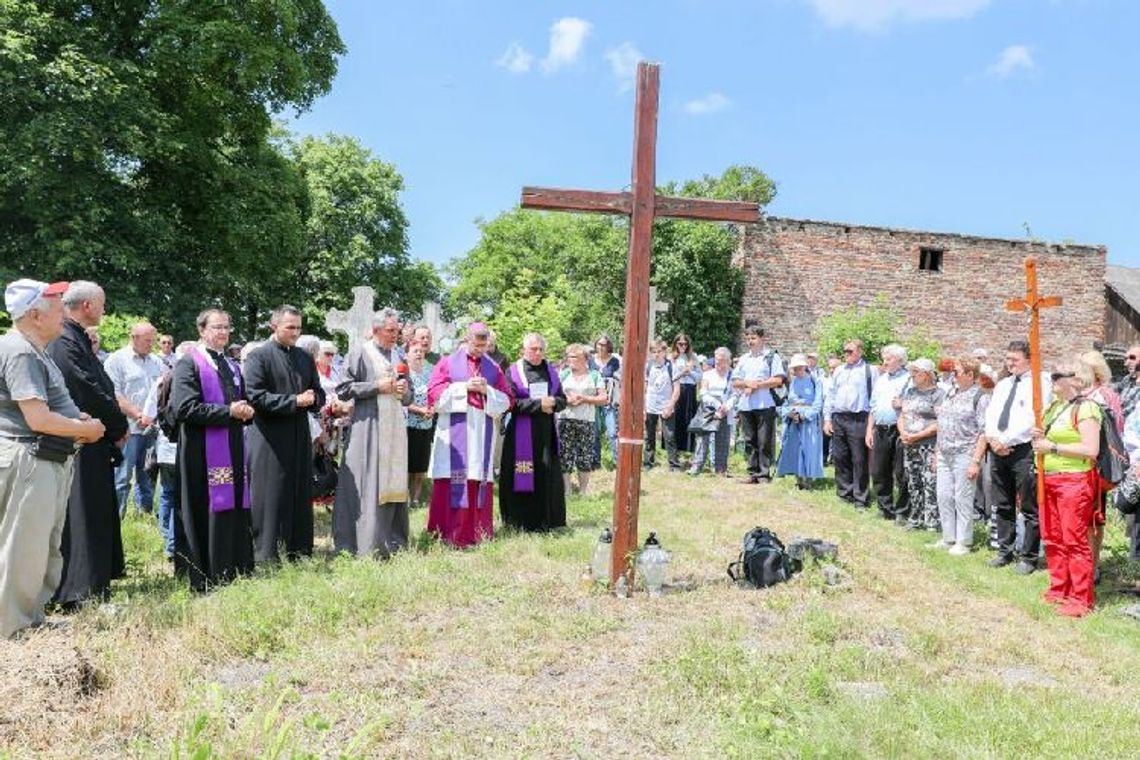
[241, 441]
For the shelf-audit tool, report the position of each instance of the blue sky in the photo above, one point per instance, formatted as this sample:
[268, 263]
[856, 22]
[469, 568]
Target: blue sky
[972, 116]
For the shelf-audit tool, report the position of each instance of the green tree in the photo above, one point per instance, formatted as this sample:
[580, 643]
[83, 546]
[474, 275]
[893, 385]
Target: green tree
[524, 309]
[691, 264]
[135, 147]
[356, 231]
[876, 325]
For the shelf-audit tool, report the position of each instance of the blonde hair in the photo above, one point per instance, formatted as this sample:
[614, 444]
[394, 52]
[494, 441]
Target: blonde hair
[575, 349]
[1095, 362]
[658, 345]
[1082, 373]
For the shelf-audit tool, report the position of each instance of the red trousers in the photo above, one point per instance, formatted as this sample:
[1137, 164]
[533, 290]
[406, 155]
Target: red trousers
[1066, 513]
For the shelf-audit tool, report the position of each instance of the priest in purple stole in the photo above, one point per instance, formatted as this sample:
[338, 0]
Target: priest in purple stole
[531, 492]
[468, 391]
[207, 395]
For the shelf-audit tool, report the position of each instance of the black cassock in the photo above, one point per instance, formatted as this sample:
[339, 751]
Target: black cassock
[91, 544]
[281, 448]
[217, 545]
[545, 507]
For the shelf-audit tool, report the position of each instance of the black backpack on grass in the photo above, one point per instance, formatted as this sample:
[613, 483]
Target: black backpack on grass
[763, 561]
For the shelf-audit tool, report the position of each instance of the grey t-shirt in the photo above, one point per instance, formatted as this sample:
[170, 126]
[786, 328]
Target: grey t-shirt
[27, 373]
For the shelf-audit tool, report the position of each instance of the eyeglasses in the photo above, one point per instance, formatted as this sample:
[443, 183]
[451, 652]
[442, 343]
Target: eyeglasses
[1061, 375]
[219, 328]
[848, 350]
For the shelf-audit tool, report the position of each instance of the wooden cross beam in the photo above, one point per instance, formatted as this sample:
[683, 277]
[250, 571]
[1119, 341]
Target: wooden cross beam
[642, 204]
[1032, 304]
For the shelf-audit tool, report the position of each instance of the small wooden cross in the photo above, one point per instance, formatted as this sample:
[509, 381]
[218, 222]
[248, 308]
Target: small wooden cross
[642, 204]
[1033, 304]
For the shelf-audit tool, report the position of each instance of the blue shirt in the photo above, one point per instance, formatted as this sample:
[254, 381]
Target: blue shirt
[849, 389]
[886, 388]
[764, 366]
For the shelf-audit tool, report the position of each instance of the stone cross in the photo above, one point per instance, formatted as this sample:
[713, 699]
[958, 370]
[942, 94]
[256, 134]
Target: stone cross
[655, 307]
[642, 205]
[433, 319]
[356, 323]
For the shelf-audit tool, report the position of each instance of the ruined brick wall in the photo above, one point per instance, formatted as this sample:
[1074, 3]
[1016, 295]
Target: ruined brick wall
[799, 270]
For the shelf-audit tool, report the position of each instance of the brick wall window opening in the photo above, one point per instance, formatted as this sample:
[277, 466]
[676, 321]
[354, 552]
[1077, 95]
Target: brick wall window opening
[930, 259]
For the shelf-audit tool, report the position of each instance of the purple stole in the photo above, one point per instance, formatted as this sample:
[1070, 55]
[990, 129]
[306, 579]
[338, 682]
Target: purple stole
[219, 458]
[524, 436]
[459, 372]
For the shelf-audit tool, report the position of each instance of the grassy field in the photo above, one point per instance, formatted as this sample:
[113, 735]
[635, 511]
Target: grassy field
[503, 651]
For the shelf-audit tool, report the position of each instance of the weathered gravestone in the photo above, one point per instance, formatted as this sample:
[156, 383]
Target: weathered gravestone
[433, 319]
[356, 323]
[655, 307]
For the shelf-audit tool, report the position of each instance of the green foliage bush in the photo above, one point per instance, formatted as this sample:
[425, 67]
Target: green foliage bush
[115, 330]
[876, 325]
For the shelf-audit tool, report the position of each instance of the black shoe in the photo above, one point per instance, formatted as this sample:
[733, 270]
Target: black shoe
[1096, 577]
[1001, 560]
[1025, 567]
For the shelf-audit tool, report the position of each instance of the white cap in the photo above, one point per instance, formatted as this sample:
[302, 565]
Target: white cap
[21, 294]
[797, 360]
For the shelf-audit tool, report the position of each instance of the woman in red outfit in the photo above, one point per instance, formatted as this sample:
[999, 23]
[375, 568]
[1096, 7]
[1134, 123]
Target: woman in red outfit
[1070, 443]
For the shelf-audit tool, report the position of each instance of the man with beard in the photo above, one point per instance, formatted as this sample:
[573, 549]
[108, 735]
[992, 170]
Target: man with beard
[92, 545]
[284, 388]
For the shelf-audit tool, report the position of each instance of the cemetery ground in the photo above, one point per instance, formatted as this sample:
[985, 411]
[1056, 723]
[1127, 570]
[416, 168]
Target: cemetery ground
[504, 651]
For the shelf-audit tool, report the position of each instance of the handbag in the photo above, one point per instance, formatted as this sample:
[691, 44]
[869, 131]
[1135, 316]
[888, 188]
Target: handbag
[53, 448]
[705, 420]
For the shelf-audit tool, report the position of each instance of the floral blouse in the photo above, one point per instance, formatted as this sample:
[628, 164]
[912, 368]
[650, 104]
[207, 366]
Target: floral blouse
[961, 419]
[420, 398]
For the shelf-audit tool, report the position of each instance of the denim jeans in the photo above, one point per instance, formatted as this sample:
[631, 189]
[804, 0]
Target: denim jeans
[168, 505]
[611, 425]
[134, 456]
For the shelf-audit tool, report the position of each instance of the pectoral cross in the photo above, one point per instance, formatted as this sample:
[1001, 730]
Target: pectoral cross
[1033, 304]
[642, 205]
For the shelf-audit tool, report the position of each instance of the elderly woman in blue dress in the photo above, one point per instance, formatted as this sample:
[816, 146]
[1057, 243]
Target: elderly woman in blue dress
[801, 450]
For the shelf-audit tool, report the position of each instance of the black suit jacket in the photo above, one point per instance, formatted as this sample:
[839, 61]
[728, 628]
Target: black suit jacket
[88, 383]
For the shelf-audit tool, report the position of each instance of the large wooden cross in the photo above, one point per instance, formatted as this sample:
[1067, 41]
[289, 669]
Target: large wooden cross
[642, 204]
[1033, 304]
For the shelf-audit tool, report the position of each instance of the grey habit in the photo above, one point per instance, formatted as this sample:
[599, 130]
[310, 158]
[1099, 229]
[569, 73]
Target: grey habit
[361, 524]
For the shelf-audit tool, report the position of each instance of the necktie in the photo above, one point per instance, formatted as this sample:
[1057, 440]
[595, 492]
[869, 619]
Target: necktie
[1003, 420]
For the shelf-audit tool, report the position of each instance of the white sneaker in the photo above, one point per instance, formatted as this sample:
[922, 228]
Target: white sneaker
[959, 550]
[939, 544]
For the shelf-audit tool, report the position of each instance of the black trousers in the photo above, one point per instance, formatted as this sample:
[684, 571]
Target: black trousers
[887, 471]
[849, 452]
[667, 427]
[1013, 485]
[759, 430]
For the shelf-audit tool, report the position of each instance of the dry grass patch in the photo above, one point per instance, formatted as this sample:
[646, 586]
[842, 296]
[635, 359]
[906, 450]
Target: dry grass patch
[503, 651]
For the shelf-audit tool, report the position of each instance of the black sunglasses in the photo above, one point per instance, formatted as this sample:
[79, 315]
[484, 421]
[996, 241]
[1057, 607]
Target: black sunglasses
[1061, 375]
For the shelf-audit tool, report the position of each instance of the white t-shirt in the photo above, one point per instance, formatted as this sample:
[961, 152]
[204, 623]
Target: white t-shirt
[588, 384]
[658, 387]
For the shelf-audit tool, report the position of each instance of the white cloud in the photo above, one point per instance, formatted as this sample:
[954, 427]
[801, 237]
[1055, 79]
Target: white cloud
[877, 15]
[516, 59]
[623, 61]
[710, 103]
[1013, 59]
[566, 38]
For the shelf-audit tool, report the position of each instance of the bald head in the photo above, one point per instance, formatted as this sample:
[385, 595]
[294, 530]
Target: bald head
[142, 338]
